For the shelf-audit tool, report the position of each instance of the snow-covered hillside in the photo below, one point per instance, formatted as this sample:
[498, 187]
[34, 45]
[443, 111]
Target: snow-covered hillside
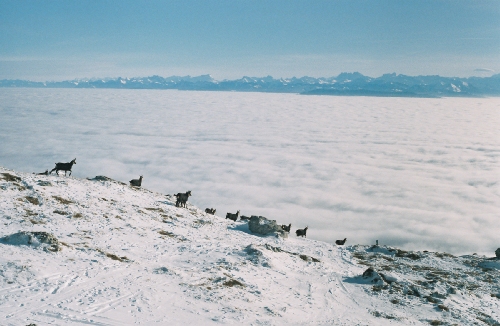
[123, 255]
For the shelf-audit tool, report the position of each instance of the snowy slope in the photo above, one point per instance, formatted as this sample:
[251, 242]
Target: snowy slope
[129, 256]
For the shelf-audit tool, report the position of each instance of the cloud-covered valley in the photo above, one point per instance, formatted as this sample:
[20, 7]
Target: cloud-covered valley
[409, 172]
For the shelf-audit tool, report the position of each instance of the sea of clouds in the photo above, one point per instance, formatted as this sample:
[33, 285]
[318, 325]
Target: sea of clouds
[420, 174]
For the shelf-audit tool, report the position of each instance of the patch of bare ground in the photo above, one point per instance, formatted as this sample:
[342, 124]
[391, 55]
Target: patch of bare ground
[232, 282]
[302, 256]
[166, 218]
[443, 307]
[309, 258]
[172, 235]
[113, 256]
[10, 178]
[29, 213]
[383, 315]
[32, 200]
[18, 186]
[65, 244]
[168, 234]
[199, 223]
[155, 209]
[62, 200]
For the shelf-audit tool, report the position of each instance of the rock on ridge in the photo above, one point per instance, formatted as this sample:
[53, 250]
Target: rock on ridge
[42, 239]
[263, 226]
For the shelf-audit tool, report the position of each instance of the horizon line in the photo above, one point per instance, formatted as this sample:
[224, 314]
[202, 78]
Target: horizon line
[248, 76]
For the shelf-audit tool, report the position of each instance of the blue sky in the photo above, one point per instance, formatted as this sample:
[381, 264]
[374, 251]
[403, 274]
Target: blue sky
[56, 40]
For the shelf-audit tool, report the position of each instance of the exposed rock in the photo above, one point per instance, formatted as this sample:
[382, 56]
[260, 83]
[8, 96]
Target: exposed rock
[62, 200]
[438, 295]
[308, 258]
[388, 278]
[163, 270]
[303, 257]
[371, 276]
[33, 238]
[105, 178]
[497, 253]
[233, 282]
[101, 178]
[256, 255]
[261, 225]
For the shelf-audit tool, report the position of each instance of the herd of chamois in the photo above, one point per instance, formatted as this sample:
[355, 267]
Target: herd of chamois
[182, 199]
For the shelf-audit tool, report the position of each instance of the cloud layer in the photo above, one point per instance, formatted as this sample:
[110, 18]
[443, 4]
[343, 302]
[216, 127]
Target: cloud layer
[415, 173]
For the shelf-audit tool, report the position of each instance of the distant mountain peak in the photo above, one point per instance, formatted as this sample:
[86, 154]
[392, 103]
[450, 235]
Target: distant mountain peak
[345, 84]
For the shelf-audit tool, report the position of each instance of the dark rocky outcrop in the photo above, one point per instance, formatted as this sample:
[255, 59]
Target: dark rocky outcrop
[371, 276]
[42, 239]
[105, 178]
[263, 226]
[44, 183]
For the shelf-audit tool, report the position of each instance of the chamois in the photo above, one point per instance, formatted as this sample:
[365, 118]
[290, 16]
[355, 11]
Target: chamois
[287, 228]
[340, 242]
[210, 211]
[136, 182]
[301, 232]
[63, 167]
[182, 198]
[232, 216]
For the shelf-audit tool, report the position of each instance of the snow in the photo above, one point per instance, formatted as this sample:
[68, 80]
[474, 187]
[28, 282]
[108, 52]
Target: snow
[456, 88]
[417, 174]
[130, 256]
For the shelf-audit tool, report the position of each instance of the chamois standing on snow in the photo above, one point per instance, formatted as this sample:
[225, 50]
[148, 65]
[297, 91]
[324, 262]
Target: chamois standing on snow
[286, 228]
[301, 232]
[182, 199]
[63, 167]
[340, 242]
[136, 182]
[210, 211]
[232, 216]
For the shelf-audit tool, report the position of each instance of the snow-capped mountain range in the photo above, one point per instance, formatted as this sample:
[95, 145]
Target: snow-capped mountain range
[350, 84]
[97, 251]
